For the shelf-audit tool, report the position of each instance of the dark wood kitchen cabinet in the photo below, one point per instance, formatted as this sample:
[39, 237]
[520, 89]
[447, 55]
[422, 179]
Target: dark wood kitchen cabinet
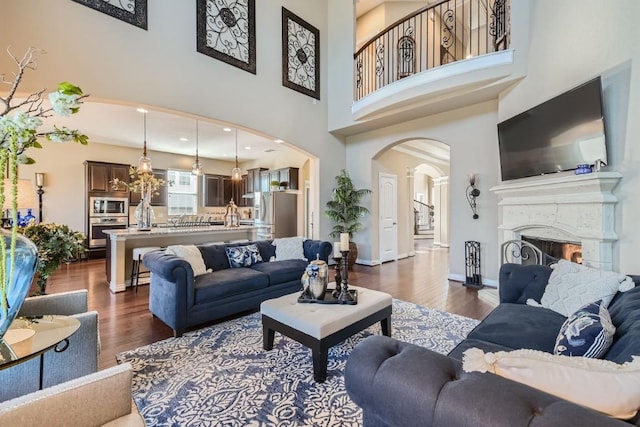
[241, 190]
[100, 174]
[159, 199]
[213, 190]
[253, 180]
[234, 190]
[290, 175]
[265, 181]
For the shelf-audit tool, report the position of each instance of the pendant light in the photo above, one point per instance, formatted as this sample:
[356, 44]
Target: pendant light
[236, 173]
[196, 168]
[144, 164]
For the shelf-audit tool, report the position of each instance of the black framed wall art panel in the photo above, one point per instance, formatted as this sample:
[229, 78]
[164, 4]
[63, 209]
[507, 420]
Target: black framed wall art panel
[300, 55]
[132, 11]
[226, 30]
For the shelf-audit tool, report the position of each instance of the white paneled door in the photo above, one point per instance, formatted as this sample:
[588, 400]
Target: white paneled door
[388, 217]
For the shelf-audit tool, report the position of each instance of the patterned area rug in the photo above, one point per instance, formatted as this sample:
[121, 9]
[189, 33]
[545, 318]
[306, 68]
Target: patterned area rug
[220, 375]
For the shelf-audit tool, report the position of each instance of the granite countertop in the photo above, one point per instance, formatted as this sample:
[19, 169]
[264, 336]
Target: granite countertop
[133, 231]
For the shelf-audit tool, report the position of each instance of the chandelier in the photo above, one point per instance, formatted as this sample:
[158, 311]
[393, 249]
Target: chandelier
[144, 164]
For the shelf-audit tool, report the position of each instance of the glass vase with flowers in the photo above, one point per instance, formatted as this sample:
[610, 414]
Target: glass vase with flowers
[20, 121]
[147, 184]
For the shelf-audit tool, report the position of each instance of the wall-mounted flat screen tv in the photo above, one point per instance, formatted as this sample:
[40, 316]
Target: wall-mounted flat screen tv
[555, 136]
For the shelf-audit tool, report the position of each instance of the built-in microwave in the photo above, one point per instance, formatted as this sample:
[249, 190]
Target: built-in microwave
[108, 206]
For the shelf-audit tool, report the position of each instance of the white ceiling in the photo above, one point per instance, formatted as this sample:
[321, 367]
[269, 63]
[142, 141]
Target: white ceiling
[123, 125]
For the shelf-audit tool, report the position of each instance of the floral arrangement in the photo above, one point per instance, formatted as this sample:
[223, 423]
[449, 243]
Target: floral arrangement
[144, 183]
[20, 120]
[56, 243]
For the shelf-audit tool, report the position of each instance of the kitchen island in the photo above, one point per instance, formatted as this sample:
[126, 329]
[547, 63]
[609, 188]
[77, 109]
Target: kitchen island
[122, 242]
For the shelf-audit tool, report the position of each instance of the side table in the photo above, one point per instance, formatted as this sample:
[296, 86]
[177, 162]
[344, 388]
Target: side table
[29, 337]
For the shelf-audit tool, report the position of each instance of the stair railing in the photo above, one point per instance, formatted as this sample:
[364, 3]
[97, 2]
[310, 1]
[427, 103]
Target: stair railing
[435, 35]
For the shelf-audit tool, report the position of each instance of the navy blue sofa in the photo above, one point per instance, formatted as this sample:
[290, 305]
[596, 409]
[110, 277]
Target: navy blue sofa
[182, 301]
[400, 384]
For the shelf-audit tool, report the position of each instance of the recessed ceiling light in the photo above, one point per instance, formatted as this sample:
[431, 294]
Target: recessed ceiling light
[247, 148]
[141, 110]
[226, 129]
[183, 139]
[278, 141]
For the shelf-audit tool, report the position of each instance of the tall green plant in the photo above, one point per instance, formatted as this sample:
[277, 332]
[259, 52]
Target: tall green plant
[344, 208]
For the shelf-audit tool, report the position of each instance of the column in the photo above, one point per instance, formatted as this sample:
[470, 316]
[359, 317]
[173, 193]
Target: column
[441, 211]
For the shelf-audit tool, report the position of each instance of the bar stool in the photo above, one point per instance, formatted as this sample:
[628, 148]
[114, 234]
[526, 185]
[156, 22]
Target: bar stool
[138, 253]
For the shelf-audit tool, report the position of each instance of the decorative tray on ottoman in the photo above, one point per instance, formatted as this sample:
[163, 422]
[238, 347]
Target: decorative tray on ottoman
[329, 298]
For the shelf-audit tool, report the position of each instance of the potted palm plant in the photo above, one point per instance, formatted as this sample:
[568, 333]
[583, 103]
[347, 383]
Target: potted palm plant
[345, 211]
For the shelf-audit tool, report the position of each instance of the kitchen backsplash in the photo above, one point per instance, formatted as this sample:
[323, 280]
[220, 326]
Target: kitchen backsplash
[216, 214]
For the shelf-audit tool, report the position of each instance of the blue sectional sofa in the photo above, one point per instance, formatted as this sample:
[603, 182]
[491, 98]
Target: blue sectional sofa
[181, 300]
[401, 384]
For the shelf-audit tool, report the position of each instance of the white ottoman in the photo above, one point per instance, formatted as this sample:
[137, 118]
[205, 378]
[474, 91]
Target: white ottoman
[321, 326]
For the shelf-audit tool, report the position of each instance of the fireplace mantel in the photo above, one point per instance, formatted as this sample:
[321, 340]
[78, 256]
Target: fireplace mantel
[566, 207]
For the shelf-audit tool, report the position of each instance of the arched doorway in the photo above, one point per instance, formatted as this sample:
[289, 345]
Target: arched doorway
[421, 169]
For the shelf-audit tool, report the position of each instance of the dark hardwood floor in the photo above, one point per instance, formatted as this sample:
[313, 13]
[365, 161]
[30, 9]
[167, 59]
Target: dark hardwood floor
[126, 323]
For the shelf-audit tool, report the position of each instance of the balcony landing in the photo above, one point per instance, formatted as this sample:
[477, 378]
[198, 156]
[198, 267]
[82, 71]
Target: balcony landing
[434, 91]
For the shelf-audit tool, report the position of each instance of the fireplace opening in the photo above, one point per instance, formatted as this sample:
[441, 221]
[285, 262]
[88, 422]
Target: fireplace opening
[554, 250]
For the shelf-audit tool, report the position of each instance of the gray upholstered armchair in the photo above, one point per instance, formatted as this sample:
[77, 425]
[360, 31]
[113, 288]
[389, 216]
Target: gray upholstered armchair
[101, 398]
[80, 358]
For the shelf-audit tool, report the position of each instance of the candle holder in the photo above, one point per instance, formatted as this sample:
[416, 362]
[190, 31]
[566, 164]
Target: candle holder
[338, 277]
[40, 192]
[345, 295]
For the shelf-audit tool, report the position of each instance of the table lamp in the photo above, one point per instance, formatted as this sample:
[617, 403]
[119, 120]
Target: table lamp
[26, 198]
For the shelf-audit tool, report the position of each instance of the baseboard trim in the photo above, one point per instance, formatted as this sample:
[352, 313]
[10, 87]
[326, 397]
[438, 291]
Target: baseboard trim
[371, 263]
[461, 278]
[368, 262]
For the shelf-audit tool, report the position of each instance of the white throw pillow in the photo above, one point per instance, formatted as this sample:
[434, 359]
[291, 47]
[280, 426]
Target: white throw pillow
[289, 248]
[192, 255]
[598, 384]
[572, 285]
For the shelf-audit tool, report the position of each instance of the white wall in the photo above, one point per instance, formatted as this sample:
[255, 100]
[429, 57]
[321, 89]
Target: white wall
[576, 40]
[160, 67]
[380, 17]
[472, 136]
[341, 23]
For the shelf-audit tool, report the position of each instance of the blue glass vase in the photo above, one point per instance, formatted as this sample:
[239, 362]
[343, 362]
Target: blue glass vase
[17, 287]
[28, 217]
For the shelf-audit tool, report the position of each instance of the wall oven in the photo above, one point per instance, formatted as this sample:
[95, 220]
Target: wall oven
[106, 213]
[97, 239]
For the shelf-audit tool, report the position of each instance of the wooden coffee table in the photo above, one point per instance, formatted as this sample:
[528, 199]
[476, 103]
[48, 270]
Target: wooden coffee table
[321, 326]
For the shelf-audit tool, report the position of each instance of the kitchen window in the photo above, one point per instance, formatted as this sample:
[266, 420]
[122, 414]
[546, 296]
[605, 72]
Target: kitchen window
[182, 193]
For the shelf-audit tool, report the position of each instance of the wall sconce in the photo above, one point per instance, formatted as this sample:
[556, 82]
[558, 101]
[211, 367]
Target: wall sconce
[472, 194]
[40, 192]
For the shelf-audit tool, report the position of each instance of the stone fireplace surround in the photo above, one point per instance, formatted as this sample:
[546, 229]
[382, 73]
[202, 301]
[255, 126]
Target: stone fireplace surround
[563, 207]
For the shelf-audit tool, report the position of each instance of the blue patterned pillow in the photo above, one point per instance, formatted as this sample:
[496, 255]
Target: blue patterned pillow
[588, 332]
[243, 256]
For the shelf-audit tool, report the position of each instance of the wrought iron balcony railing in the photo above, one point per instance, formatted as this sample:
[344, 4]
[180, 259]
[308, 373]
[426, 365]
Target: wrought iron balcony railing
[448, 31]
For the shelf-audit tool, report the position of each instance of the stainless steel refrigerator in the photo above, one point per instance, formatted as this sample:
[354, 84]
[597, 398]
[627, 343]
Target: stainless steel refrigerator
[277, 213]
